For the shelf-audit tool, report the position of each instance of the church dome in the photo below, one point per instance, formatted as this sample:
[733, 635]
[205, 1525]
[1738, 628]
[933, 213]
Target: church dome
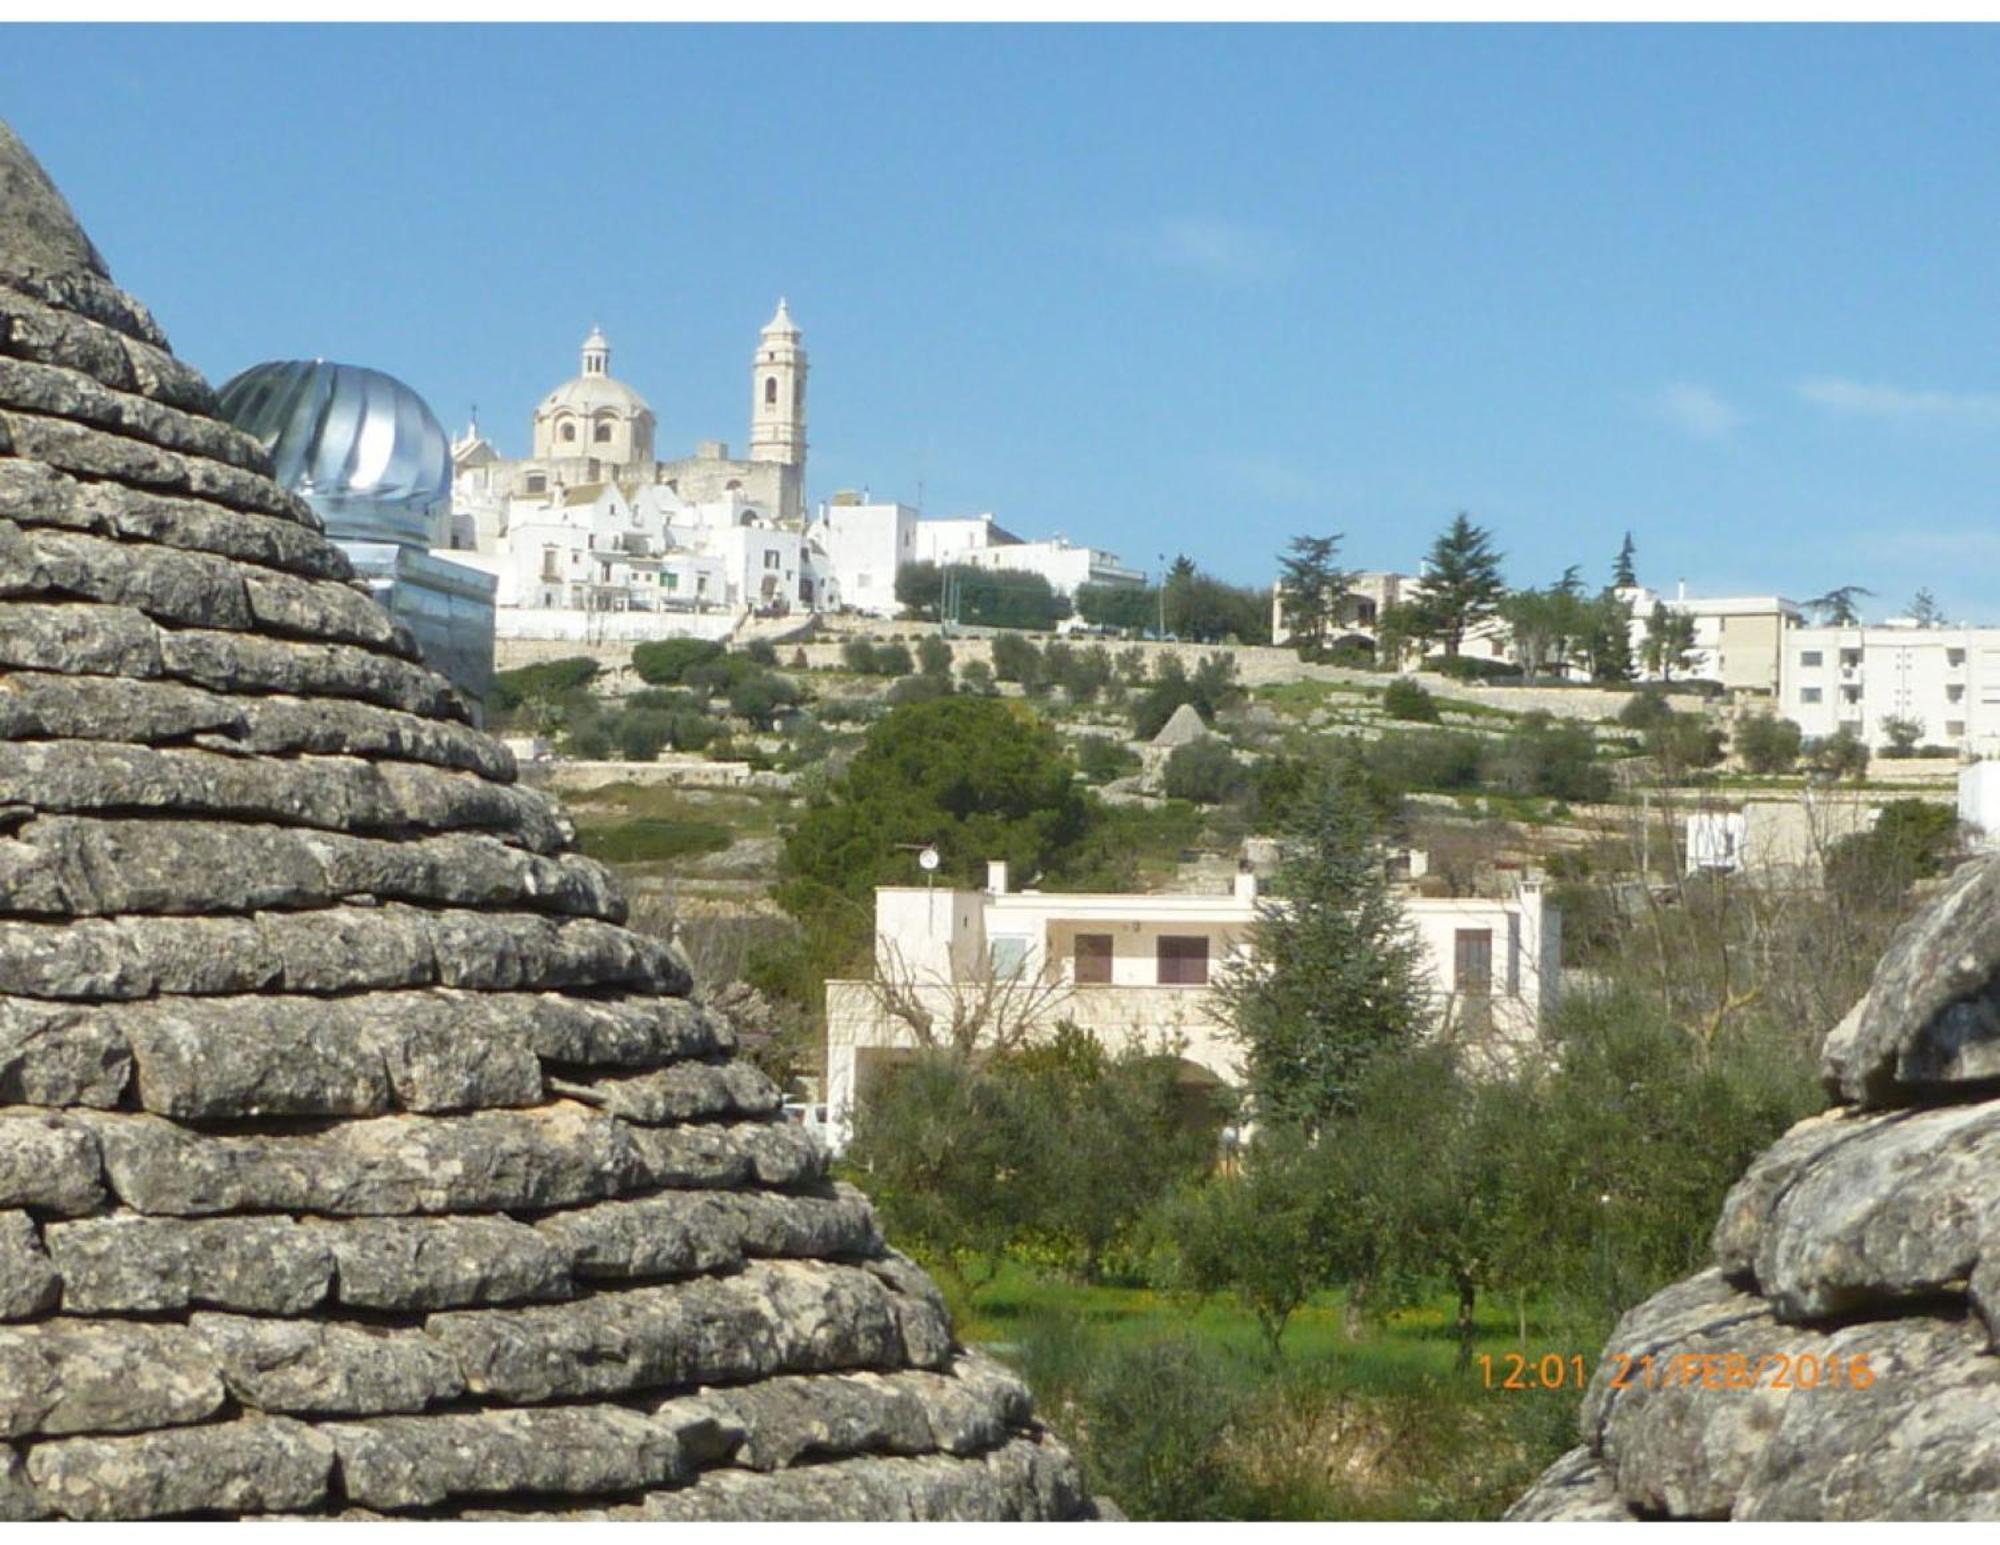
[594, 390]
[359, 446]
[355, 1159]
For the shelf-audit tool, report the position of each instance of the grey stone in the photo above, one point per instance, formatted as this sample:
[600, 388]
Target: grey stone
[258, 1464]
[504, 951]
[1575, 1489]
[42, 705]
[727, 1155]
[1023, 1481]
[18, 1502]
[30, 329]
[688, 1091]
[1921, 1442]
[78, 639]
[422, 1461]
[582, 1033]
[490, 1161]
[131, 1265]
[343, 949]
[1896, 1212]
[413, 1264]
[203, 955]
[254, 1056]
[62, 392]
[234, 662]
[84, 450]
[772, 1317]
[1747, 1208]
[1931, 1018]
[785, 1420]
[41, 237]
[670, 1235]
[316, 1367]
[29, 1284]
[183, 589]
[49, 1163]
[60, 1054]
[34, 494]
[61, 1376]
[444, 1054]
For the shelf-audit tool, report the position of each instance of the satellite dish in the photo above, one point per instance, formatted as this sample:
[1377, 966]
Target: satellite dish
[928, 860]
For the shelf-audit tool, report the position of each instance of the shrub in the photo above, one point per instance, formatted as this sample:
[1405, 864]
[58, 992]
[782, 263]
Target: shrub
[1551, 758]
[590, 741]
[975, 678]
[1100, 758]
[1407, 699]
[551, 678]
[799, 660]
[666, 662]
[918, 689]
[934, 656]
[1902, 733]
[652, 841]
[1645, 711]
[893, 660]
[1437, 763]
[761, 698]
[1205, 771]
[1466, 668]
[1768, 745]
[762, 651]
[1841, 755]
[858, 655]
[642, 735]
[1015, 659]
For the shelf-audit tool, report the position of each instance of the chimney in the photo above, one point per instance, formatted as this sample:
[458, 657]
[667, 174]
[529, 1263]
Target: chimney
[996, 876]
[1246, 882]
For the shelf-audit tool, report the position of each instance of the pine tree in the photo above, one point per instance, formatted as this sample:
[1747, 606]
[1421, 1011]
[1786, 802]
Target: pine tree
[1624, 572]
[1334, 976]
[1313, 584]
[1462, 584]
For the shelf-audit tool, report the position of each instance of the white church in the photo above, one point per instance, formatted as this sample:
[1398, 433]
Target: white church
[594, 538]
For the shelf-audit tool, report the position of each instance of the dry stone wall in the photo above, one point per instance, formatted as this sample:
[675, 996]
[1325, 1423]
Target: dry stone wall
[1837, 1361]
[354, 1159]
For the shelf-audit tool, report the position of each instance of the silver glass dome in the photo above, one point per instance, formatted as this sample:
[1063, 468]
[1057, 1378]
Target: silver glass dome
[359, 446]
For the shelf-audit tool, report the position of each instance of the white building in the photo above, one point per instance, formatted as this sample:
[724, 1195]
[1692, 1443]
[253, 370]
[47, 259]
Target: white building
[1945, 679]
[1737, 639]
[1785, 839]
[1139, 970]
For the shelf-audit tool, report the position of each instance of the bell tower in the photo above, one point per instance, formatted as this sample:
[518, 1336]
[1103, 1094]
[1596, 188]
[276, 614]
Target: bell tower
[778, 393]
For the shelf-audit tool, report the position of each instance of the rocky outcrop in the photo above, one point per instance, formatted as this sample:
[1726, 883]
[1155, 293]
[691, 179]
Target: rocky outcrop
[1838, 1360]
[354, 1159]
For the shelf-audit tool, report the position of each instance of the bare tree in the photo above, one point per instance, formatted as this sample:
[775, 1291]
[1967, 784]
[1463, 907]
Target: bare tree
[988, 1011]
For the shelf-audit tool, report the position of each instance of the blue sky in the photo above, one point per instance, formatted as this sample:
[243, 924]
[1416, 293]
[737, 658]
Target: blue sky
[1162, 289]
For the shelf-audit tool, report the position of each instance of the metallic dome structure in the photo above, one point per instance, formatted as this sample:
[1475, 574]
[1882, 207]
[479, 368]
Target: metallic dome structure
[366, 452]
[357, 444]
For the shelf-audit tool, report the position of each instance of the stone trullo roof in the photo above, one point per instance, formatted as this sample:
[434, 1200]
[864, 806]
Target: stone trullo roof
[1869, 1232]
[353, 1158]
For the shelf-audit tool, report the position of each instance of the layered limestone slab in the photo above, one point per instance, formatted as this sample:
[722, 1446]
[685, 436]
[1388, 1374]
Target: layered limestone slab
[419, 1264]
[772, 1317]
[676, 1234]
[1024, 1481]
[74, 866]
[326, 1368]
[49, 1163]
[36, 494]
[32, 330]
[344, 794]
[59, 1054]
[63, 1376]
[491, 1161]
[687, 1091]
[126, 1264]
[1575, 1489]
[86, 451]
[1931, 1019]
[28, 1282]
[259, 1464]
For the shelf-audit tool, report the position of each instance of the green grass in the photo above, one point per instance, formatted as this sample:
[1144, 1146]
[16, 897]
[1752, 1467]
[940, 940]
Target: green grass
[1302, 697]
[652, 841]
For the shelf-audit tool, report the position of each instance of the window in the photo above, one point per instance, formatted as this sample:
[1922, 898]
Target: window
[568, 432]
[1809, 694]
[770, 559]
[1850, 694]
[537, 483]
[1513, 954]
[770, 392]
[1954, 729]
[1093, 959]
[1955, 692]
[1810, 658]
[549, 568]
[1850, 659]
[1954, 658]
[1009, 955]
[1472, 964]
[673, 580]
[1183, 961]
[602, 434]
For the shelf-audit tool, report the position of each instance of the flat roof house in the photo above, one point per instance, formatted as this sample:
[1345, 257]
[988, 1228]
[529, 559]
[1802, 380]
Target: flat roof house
[995, 968]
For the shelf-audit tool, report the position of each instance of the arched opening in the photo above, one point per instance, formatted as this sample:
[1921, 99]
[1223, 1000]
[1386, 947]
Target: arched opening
[567, 433]
[770, 391]
[602, 434]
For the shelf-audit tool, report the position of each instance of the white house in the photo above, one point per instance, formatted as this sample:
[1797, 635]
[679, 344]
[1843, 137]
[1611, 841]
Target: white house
[1945, 679]
[1139, 969]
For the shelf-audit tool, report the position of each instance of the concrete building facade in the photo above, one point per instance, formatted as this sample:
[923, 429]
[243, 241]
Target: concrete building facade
[1945, 679]
[1139, 970]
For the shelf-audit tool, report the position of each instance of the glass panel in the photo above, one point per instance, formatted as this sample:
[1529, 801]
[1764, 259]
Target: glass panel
[1093, 958]
[1183, 961]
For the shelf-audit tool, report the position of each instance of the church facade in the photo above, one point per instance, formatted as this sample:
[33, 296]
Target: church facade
[593, 521]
